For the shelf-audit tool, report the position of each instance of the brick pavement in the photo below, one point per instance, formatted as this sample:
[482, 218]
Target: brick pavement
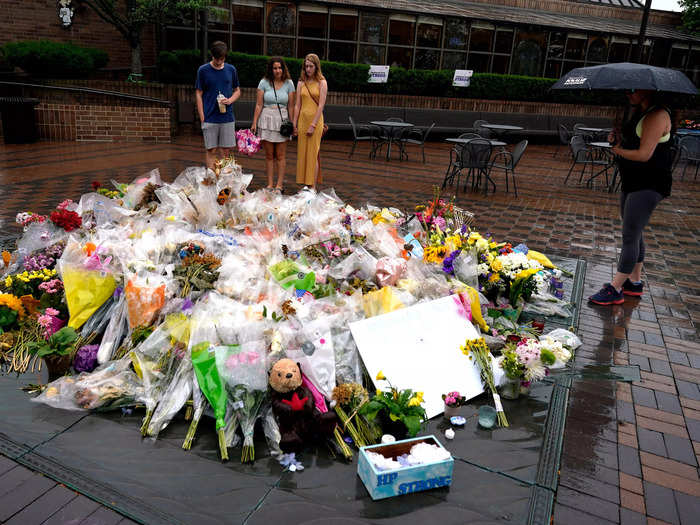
[631, 451]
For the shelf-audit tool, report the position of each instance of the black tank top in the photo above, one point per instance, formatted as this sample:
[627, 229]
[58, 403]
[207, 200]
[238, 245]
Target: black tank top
[655, 173]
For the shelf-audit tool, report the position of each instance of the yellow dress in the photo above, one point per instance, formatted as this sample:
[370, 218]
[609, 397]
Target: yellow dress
[308, 146]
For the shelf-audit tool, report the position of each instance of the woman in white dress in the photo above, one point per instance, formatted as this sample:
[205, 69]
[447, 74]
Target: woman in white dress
[275, 102]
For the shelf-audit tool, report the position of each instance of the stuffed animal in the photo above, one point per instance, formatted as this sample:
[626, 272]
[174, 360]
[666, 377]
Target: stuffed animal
[300, 423]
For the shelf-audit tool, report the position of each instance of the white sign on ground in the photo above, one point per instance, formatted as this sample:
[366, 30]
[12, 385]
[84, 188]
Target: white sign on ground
[378, 74]
[418, 348]
[462, 77]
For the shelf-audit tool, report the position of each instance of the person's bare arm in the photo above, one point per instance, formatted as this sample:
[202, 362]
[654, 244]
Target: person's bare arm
[297, 108]
[236, 95]
[655, 126]
[200, 104]
[321, 104]
[290, 103]
[258, 110]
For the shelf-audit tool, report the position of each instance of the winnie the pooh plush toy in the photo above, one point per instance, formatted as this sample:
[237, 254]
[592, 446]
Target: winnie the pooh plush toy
[300, 423]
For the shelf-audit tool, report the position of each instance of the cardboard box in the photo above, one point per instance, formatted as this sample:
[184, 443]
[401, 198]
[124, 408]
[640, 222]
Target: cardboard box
[405, 480]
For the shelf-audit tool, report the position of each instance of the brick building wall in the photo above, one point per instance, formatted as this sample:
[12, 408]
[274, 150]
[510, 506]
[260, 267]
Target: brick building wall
[38, 19]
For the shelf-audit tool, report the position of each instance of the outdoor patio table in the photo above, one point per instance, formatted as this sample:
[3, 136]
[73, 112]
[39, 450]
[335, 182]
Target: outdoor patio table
[595, 130]
[502, 129]
[458, 140]
[390, 125]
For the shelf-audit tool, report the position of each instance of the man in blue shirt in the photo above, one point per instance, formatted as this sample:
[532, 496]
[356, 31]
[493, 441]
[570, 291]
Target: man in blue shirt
[217, 88]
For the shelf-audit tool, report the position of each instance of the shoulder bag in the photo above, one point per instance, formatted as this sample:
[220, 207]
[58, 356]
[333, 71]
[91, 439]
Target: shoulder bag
[286, 128]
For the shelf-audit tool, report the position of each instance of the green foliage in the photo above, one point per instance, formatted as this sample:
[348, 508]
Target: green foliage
[59, 344]
[8, 316]
[691, 16]
[397, 405]
[48, 59]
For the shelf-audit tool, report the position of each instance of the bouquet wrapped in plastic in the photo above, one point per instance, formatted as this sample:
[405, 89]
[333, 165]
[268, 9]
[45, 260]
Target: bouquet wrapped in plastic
[243, 369]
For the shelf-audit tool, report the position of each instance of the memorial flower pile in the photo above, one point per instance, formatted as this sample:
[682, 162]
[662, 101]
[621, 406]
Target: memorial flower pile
[166, 296]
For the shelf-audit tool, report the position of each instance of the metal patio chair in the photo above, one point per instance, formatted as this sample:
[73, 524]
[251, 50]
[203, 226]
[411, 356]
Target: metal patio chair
[510, 161]
[415, 136]
[583, 154]
[690, 153]
[362, 133]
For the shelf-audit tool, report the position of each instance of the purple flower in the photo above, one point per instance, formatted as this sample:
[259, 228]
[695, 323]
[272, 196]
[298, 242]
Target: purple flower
[86, 358]
[187, 305]
[448, 262]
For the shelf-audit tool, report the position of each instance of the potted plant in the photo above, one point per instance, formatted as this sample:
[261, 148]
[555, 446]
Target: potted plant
[56, 350]
[399, 412]
[453, 402]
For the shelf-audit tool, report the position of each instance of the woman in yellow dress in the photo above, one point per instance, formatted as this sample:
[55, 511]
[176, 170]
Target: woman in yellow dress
[312, 90]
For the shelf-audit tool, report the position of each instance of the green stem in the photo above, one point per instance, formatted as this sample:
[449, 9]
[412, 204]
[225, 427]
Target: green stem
[187, 444]
[146, 421]
[222, 444]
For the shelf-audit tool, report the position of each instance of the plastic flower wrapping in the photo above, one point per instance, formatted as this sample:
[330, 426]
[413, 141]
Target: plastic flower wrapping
[184, 299]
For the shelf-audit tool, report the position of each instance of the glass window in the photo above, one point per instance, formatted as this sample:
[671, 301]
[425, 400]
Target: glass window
[453, 60]
[500, 64]
[179, 38]
[218, 18]
[619, 49]
[343, 27]
[427, 58]
[576, 47]
[247, 19]
[400, 56]
[557, 41]
[401, 31]
[679, 53]
[481, 38]
[456, 33]
[251, 44]
[280, 46]
[281, 19]
[306, 46]
[215, 36]
[598, 49]
[528, 55]
[341, 51]
[429, 33]
[504, 42]
[478, 62]
[371, 55]
[373, 28]
[312, 24]
[554, 69]
[660, 52]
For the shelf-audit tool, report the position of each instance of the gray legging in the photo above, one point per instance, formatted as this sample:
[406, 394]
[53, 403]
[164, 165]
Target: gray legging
[635, 208]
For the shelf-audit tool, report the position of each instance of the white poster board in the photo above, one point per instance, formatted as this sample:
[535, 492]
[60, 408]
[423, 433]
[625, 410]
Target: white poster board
[419, 348]
[462, 77]
[378, 74]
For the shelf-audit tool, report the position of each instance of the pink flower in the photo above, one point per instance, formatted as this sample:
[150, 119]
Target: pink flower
[51, 311]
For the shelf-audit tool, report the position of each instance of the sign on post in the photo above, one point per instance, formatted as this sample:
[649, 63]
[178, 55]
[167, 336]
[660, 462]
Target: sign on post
[462, 77]
[378, 74]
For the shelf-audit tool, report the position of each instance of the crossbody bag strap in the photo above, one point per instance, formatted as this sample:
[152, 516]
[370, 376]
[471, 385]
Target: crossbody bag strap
[278, 104]
[312, 97]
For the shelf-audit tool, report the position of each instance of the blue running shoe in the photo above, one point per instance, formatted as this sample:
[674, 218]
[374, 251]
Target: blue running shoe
[607, 295]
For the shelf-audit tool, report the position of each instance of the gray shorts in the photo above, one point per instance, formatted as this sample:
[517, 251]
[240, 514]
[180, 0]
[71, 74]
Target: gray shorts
[219, 135]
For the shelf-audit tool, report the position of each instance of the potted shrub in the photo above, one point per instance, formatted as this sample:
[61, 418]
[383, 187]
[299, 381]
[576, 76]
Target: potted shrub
[453, 402]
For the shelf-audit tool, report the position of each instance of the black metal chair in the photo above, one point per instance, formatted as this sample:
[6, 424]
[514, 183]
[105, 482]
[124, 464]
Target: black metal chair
[484, 132]
[690, 153]
[587, 137]
[564, 138]
[474, 157]
[510, 161]
[415, 136]
[383, 135]
[362, 133]
[583, 154]
[457, 148]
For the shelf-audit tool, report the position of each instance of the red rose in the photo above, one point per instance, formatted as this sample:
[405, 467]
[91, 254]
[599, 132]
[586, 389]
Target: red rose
[68, 220]
[96, 185]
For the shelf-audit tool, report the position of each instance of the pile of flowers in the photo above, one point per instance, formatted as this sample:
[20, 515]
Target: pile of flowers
[688, 124]
[157, 284]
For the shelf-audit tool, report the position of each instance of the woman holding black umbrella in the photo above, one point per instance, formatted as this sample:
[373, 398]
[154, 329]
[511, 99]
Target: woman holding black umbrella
[645, 159]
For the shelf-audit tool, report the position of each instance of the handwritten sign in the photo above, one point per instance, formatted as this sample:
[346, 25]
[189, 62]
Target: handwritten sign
[462, 77]
[418, 348]
[378, 74]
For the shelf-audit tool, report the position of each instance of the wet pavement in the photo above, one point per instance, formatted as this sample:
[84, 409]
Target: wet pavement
[630, 450]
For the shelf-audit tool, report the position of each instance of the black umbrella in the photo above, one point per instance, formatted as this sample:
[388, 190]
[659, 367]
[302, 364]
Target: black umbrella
[625, 76]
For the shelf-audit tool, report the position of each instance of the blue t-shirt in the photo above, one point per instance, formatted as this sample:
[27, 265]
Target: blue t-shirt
[282, 93]
[212, 81]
